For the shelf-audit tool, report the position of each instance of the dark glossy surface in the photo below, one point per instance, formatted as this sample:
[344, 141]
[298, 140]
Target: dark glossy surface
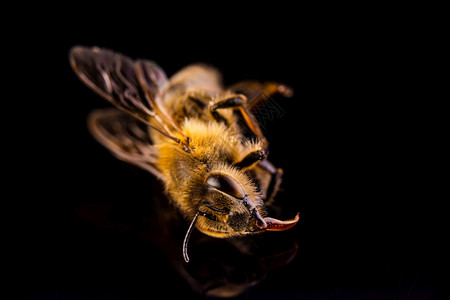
[349, 153]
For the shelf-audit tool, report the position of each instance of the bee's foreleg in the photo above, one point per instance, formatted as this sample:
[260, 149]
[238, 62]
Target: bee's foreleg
[250, 159]
[275, 180]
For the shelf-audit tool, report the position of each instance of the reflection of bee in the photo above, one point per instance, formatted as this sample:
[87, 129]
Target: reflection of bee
[206, 145]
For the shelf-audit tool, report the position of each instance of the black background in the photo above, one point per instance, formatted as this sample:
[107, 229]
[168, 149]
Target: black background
[350, 142]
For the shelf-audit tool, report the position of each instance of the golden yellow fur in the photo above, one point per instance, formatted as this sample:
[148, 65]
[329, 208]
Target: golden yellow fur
[211, 144]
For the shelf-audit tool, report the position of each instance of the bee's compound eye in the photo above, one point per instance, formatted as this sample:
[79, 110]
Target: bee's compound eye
[226, 184]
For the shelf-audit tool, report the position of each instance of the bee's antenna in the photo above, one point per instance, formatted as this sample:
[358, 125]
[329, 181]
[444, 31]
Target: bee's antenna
[186, 238]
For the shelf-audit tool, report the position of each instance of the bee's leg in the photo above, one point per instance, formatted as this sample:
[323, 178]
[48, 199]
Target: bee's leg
[256, 91]
[230, 102]
[237, 102]
[250, 159]
[275, 181]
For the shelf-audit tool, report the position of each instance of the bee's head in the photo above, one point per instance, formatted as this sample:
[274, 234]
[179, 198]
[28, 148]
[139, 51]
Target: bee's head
[230, 205]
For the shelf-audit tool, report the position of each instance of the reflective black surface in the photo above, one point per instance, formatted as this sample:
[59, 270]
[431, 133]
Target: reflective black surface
[97, 228]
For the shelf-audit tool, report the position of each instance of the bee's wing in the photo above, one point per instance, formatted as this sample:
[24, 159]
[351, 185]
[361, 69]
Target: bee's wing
[126, 137]
[132, 86]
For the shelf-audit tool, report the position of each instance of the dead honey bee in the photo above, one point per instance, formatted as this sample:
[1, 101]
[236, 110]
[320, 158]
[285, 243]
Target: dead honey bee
[200, 139]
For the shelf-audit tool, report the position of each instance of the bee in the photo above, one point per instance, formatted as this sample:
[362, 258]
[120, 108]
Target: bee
[200, 139]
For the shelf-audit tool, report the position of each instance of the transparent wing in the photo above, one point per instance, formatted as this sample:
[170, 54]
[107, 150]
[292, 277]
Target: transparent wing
[132, 86]
[126, 137]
